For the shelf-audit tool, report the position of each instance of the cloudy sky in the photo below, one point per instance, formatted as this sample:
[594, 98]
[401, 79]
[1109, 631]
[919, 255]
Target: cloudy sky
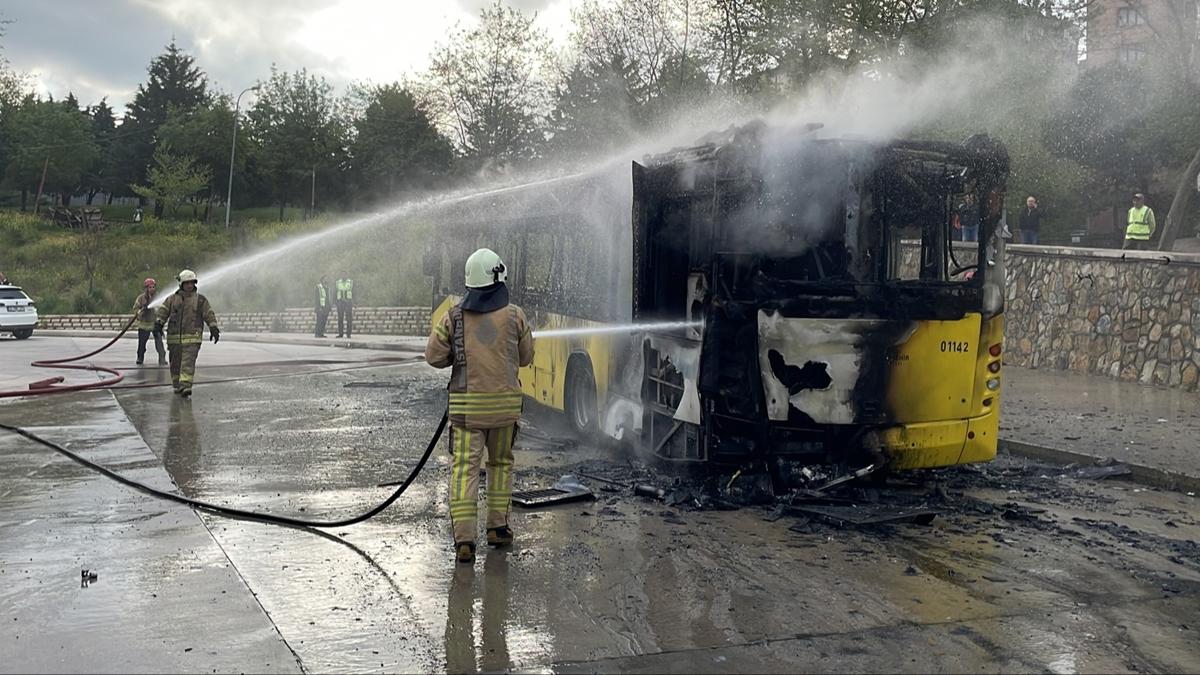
[101, 48]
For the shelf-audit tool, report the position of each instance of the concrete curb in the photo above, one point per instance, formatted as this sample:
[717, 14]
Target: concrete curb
[1141, 474]
[250, 337]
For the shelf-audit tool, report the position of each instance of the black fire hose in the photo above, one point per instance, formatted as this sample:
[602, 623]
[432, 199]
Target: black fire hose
[239, 514]
[215, 509]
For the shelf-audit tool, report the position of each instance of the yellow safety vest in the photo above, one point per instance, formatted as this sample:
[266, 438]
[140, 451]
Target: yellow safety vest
[1141, 223]
[322, 298]
[345, 289]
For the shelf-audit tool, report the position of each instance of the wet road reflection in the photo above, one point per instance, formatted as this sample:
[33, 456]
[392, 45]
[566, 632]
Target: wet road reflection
[182, 450]
[485, 616]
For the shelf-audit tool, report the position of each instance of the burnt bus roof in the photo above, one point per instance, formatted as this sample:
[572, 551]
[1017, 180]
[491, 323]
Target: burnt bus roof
[546, 200]
[978, 153]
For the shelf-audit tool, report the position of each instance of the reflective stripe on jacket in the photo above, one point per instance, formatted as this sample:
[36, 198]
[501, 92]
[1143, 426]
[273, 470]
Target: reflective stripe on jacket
[143, 312]
[184, 314]
[1141, 223]
[345, 289]
[322, 296]
[485, 351]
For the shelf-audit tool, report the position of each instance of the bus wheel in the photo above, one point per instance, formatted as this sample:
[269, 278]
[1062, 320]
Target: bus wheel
[581, 396]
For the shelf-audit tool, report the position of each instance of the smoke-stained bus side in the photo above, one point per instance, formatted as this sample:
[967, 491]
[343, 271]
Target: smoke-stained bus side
[822, 336]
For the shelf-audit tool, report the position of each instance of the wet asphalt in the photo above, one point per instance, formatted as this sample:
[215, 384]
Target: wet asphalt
[1025, 568]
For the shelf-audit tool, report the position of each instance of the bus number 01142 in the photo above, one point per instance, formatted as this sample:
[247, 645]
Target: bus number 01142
[955, 346]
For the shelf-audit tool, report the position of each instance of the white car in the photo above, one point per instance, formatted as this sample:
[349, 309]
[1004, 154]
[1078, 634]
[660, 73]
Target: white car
[18, 315]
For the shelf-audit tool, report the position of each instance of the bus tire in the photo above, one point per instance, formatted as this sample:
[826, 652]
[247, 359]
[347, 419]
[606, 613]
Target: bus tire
[23, 333]
[580, 404]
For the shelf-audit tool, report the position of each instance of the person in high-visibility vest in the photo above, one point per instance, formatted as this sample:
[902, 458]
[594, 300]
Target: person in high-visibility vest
[485, 340]
[1140, 226]
[322, 307]
[184, 315]
[344, 288]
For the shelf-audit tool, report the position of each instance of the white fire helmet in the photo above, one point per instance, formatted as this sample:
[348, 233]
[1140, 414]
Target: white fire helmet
[186, 275]
[485, 268]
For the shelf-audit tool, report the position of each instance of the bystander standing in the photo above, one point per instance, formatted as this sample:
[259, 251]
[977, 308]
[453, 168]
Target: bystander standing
[1031, 221]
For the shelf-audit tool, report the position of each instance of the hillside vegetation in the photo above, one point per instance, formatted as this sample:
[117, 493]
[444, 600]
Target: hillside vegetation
[72, 271]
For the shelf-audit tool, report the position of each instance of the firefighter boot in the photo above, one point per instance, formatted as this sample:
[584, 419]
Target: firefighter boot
[500, 536]
[465, 551]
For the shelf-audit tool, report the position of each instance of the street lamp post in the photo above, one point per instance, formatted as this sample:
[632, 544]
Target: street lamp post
[232, 149]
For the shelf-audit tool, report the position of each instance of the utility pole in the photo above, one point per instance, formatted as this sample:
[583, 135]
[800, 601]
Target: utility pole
[232, 150]
[37, 200]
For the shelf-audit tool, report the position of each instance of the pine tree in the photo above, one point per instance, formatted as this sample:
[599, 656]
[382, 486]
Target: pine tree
[99, 177]
[174, 83]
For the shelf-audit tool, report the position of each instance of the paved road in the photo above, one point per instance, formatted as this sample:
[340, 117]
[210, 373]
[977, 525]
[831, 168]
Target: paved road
[1025, 569]
[1103, 417]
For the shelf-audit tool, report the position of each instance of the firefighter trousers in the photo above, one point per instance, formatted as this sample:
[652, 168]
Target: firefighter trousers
[468, 447]
[183, 365]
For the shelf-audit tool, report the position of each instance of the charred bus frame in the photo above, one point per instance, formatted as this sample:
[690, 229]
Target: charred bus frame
[819, 275]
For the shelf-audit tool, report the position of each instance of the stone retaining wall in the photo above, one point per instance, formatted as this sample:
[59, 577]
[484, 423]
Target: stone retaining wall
[1129, 315]
[367, 321]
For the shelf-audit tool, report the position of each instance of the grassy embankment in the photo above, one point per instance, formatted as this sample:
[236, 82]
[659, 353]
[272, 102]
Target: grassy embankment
[68, 271]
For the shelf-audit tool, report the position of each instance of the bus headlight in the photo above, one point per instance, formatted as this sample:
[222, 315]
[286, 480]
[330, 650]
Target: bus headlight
[993, 384]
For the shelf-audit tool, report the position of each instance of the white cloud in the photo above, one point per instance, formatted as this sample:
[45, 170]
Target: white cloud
[381, 42]
[236, 41]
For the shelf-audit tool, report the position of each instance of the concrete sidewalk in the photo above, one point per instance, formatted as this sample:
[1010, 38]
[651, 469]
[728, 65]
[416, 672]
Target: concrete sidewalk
[166, 597]
[1087, 416]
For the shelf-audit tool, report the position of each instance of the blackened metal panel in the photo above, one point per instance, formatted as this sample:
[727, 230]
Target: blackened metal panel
[641, 208]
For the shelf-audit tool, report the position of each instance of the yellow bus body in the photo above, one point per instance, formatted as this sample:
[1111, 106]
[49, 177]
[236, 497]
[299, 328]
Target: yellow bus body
[938, 383]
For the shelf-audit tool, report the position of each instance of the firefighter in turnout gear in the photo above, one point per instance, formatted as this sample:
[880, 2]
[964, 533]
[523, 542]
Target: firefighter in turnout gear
[344, 287]
[484, 339]
[144, 322]
[184, 315]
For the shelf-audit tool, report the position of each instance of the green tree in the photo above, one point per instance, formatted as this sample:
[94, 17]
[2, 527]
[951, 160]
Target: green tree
[51, 137]
[650, 39]
[301, 133]
[99, 177]
[596, 107]
[1102, 125]
[173, 179]
[395, 146]
[490, 87]
[205, 133]
[174, 82]
[13, 88]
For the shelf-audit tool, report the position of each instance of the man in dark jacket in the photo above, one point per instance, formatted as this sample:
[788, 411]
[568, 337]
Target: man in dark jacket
[322, 306]
[968, 216]
[1031, 221]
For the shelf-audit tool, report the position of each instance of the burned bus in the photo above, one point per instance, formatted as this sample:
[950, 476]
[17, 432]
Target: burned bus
[766, 293]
